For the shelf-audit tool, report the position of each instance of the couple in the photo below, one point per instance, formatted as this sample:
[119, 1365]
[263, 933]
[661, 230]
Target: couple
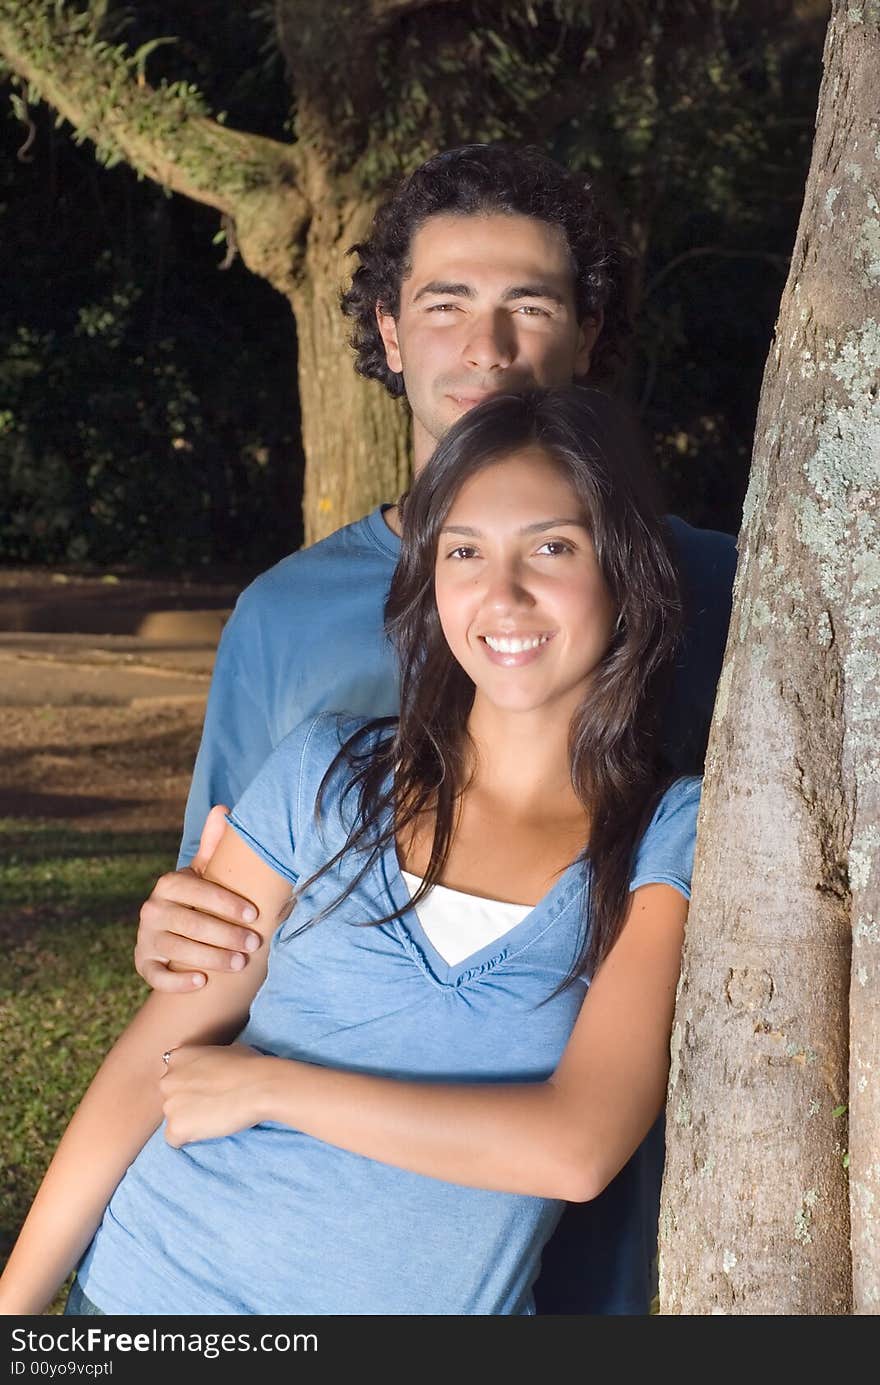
[456, 1021]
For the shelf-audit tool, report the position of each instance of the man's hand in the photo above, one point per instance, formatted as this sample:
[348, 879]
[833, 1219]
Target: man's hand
[190, 926]
[210, 1091]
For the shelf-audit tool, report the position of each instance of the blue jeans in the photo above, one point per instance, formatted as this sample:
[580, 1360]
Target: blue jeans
[78, 1305]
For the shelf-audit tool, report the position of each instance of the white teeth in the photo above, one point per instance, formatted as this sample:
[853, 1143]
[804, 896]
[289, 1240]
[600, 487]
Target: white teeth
[505, 645]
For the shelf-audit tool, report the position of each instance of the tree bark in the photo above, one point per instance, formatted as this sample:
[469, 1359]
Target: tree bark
[356, 437]
[755, 1210]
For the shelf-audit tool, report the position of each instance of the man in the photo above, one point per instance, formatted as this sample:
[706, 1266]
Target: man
[488, 271]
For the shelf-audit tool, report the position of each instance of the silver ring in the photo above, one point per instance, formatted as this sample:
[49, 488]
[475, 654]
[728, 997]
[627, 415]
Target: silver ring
[166, 1057]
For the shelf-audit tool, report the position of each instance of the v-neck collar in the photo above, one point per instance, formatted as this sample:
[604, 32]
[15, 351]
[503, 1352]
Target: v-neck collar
[545, 913]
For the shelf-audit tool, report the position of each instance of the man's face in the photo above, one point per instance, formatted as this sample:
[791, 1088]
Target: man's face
[488, 308]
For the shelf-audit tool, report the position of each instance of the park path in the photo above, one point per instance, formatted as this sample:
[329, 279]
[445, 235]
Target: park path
[102, 694]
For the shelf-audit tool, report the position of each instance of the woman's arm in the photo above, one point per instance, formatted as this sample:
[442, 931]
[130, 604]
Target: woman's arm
[566, 1137]
[123, 1105]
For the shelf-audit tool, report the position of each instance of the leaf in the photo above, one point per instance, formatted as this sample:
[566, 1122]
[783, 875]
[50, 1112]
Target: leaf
[839, 1111]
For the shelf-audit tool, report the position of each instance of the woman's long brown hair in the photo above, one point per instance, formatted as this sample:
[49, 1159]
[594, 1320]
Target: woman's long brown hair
[617, 769]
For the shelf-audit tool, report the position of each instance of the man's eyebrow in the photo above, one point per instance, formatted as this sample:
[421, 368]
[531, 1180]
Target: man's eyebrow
[534, 291]
[441, 286]
[538, 528]
[446, 288]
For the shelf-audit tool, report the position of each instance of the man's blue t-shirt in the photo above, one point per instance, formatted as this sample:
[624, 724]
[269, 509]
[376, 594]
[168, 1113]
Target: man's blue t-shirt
[308, 636]
[271, 1220]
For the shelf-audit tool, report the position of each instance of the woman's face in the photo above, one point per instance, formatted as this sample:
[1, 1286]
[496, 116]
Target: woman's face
[522, 601]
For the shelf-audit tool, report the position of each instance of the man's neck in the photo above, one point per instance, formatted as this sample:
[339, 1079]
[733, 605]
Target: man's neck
[391, 516]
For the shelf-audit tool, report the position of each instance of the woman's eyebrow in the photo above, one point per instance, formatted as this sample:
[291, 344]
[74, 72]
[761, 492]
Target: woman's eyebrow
[537, 528]
[543, 524]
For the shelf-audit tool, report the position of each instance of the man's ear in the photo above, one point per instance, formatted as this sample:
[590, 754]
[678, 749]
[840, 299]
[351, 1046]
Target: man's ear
[388, 333]
[588, 336]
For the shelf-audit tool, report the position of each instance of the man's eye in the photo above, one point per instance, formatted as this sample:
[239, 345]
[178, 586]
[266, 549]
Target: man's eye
[442, 307]
[532, 310]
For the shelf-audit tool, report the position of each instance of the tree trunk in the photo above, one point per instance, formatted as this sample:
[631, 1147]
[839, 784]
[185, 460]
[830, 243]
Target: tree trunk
[355, 436]
[755, 1214]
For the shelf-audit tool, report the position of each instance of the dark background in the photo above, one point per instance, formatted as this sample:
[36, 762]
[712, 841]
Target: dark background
[148, 404]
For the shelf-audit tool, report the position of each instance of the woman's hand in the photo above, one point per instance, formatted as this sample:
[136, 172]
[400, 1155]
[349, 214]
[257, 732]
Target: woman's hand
[209, 1091]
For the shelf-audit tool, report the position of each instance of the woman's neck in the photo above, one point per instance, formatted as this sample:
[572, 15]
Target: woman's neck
[522, 760]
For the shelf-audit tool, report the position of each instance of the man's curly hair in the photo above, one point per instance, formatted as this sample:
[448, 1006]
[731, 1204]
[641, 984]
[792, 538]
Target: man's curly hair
[487, 179]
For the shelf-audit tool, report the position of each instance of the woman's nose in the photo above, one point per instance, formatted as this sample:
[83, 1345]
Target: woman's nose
[506, 589]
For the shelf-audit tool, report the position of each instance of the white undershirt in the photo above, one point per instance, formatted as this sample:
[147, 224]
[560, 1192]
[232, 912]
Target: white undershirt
[460, 924]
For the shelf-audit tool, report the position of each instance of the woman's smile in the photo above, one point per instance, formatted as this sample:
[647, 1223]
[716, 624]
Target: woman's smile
[514, 651]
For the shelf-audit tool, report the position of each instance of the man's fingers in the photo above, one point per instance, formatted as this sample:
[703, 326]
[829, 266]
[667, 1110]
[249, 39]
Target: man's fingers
[204, 896]
[176, 951]
[177, 924]
[192, 923]
[159, 978]
[212, 832]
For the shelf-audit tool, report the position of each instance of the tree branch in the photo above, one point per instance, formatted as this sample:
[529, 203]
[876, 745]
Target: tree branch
[386, 11]
[165, 133]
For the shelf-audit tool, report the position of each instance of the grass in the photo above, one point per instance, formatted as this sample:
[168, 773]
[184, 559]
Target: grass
[68, 911]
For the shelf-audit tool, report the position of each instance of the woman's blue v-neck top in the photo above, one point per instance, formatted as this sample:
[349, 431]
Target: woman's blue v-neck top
[274, 1221]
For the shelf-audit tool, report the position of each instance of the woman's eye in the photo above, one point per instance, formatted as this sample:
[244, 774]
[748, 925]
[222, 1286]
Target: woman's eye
[463, 551]
[555, 548]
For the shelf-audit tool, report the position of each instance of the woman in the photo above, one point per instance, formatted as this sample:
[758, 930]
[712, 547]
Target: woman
[476, 917]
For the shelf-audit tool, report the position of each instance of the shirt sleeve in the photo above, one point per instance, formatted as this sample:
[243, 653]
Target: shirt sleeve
[665, 854]
[275, 811]
[236, 735]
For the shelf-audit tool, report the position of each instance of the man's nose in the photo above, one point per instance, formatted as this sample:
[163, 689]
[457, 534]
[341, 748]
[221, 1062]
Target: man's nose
[491, 344]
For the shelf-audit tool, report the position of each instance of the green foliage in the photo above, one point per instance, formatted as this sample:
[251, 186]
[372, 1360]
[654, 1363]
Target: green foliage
[147, 414]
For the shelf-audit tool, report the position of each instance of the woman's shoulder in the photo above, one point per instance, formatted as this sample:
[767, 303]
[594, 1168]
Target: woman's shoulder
[682, 796]
[302, 785]
[318, 740]
[666, 851]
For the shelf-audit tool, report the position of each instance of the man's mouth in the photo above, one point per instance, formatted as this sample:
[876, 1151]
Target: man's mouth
[468, 401]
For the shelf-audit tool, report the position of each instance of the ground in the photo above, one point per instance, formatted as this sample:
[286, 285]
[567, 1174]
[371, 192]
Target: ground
[102, 692]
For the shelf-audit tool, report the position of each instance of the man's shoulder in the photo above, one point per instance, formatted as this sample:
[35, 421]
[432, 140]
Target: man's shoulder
[354, 552]
[706, 546]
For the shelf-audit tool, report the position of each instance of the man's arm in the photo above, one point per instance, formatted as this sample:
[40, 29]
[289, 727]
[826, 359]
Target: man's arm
[123, 1105]
[189, 927]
